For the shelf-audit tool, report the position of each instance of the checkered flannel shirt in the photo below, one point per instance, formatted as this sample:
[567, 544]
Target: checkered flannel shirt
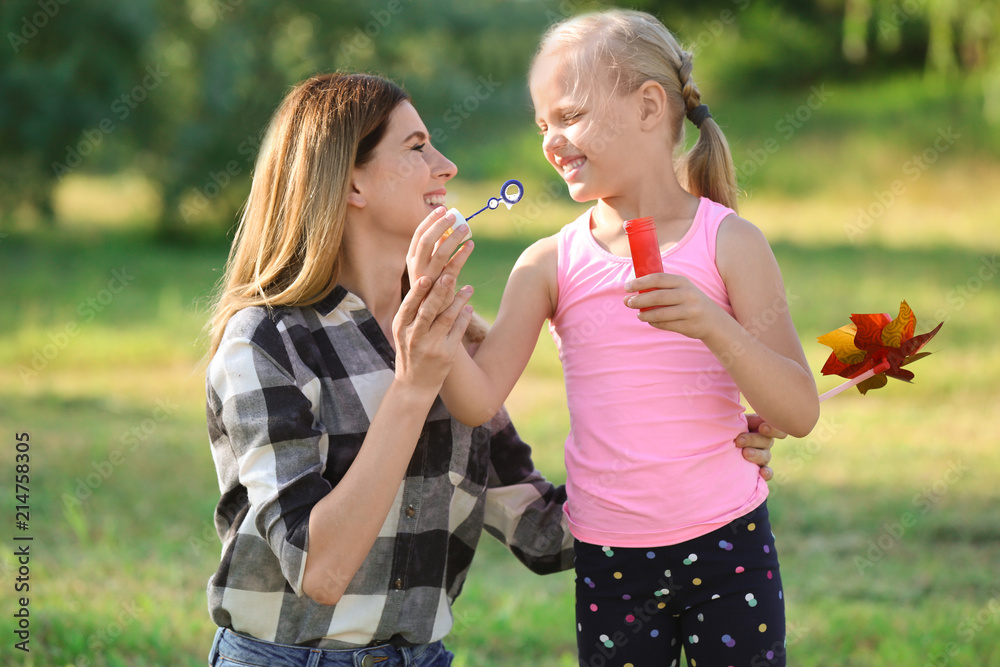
[291, 393]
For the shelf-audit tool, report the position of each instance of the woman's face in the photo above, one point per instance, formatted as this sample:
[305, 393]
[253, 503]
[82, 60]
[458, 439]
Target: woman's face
[405, 180]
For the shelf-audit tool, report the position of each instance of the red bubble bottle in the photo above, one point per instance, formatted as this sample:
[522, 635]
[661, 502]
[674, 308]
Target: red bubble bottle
[645, 248]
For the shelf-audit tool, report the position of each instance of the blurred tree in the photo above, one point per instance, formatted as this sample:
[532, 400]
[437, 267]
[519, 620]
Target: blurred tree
[958, 37]
[70, 77]
[180, 90]
[235, 60]
[232, 63]
[954, 35]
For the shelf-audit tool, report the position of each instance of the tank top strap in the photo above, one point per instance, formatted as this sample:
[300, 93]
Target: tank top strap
[572, 249]
[709, 217]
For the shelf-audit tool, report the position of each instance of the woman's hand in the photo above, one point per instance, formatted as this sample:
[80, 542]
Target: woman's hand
[344, 524]
[428, 329]
[677, 304]
[757, 443]
[430, 255]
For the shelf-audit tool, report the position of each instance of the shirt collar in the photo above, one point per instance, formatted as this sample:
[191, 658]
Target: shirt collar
[332, 300]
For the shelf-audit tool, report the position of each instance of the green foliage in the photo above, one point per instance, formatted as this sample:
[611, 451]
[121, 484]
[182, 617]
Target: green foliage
[181, 91]
[67, 74]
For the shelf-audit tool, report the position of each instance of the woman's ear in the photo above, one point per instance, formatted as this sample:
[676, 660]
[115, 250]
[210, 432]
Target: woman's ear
[354, 196]
[652, 104]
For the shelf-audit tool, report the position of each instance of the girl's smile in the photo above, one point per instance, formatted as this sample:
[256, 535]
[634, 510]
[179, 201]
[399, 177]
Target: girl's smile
[570, 166]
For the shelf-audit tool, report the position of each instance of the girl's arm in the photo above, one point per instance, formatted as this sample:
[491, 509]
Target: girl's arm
[476, 388]
[758, 346]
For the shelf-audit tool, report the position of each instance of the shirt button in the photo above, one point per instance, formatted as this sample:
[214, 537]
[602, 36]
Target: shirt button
[410, 511]
[368, 661]
[398, 584]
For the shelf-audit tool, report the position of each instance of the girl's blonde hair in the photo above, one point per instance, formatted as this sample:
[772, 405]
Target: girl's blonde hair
[633, 47]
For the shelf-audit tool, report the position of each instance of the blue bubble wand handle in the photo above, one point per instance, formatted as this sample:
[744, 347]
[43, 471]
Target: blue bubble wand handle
[511, 192]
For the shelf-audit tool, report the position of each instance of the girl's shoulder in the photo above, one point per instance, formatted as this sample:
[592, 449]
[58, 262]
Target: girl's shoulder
[546, 250]
[541, 261]
[735, 232]
[740, 247]
[536, 269]
[543, 251]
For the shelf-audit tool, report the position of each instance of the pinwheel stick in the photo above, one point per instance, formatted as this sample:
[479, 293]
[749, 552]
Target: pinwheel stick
[881, 368]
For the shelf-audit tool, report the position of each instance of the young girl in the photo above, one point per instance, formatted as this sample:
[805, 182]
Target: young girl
[673, 545]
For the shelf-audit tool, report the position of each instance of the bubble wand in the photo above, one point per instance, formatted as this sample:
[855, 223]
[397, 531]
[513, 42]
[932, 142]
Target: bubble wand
[511, 192]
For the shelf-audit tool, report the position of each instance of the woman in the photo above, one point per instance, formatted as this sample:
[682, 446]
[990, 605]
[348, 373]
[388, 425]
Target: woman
[352, 502]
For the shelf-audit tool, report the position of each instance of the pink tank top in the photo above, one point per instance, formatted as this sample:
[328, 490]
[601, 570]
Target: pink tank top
[650, 456]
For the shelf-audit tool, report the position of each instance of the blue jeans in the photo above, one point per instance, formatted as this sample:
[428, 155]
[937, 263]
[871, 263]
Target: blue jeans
[232, 649]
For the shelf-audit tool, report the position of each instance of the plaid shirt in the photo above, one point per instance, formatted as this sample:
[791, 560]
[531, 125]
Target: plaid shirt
[291, 394]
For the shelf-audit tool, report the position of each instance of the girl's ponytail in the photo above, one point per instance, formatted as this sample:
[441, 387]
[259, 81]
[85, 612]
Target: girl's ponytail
[707, 170]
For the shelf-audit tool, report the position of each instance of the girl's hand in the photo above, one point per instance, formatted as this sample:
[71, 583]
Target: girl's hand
[757, 443]
[428, 328]
[430, 255]
[677, 304]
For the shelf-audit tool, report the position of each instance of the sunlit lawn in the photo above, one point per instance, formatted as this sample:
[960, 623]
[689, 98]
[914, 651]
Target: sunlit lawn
[887, 516]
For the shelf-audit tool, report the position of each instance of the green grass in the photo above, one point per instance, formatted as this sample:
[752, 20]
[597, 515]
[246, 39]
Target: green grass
[887, 515]
[123, 484]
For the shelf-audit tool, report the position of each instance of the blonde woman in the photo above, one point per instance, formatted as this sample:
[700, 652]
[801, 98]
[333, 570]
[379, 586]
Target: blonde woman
[351, 501]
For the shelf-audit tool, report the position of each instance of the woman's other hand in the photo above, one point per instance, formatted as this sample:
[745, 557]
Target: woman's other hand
[428, 329]
[757, 443]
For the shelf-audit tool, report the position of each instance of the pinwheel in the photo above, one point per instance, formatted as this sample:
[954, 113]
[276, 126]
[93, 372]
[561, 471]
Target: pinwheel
[874, 348]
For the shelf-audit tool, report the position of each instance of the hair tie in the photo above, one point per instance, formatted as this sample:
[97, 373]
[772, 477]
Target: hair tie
[699, 115]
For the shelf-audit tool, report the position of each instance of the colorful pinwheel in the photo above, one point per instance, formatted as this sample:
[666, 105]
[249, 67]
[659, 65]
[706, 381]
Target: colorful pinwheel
[874, 348]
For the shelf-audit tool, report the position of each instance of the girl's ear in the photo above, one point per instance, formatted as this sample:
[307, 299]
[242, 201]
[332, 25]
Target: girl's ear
[652, 104]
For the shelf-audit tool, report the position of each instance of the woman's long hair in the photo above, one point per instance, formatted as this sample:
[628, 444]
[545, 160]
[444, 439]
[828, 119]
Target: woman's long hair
[288, 248]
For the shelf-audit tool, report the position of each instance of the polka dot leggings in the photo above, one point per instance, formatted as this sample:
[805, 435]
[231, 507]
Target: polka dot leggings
[718, 596]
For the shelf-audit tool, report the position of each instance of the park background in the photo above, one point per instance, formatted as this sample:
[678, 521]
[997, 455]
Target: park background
[866, 135]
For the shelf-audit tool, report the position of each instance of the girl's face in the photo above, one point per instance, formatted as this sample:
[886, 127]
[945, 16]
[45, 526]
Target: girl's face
[586, 134]
[405, 179]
